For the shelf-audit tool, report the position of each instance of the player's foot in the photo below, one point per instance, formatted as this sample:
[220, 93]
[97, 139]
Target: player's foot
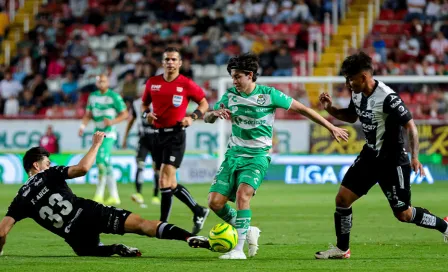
[111, 201]
[233, 255]
[445, 235]
[99, 199]
[252, 240]
[333, 253]
[138, 198]
[198, 242]
[199, 220]
[125, 251]
[155, 200]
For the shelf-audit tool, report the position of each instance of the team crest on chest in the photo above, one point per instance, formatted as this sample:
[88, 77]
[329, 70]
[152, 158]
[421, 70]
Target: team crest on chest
[177, 100]
[372, 103]
[179, 89]
[261, 99]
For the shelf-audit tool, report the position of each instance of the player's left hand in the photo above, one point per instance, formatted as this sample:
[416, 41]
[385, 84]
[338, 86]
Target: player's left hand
[417, 167]
[339, 133]
[107, 122]
[187, 121]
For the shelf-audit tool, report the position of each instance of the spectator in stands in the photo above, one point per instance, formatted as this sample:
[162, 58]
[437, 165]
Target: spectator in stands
[112, 76]
[186, 69]
[50, 141]
[24, 66]
[27, 103]
[77, 49]
[439, 48]
[128, 88]
[41, 62]
[425, 69]
[301, 12]
[11, 107]
[38, 87]
[202, 50]
[283, 63]
[56, 67]
[9, 87]
[69, 88]
[433, 11]
[415, 10]
[380, 47]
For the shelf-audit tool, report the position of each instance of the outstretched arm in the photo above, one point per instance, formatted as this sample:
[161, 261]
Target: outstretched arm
[87, 161]
[5, 226]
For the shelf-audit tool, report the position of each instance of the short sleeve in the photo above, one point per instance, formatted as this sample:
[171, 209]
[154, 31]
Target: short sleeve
[351, 107]
[57, 173]
[17, 209]
[280, 100]
[394, 106]
[222, 103]
[195, 92]
[119, 103]
[146, 98]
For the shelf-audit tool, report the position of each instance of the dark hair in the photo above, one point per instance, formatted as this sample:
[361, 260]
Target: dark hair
[247, 63]
[172, 50]
[356, 63]
[33, 155]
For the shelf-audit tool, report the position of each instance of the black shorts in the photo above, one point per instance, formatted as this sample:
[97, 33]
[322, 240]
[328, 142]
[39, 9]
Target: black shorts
[145, 146]
[395, 181]
[169, 148]
[93, 220]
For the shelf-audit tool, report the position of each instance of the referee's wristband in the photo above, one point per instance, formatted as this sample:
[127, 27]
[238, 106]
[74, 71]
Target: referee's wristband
[145, 113]
[196, 114]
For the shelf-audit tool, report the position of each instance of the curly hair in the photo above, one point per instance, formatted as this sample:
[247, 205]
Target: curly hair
[247, 63]
[357, 63]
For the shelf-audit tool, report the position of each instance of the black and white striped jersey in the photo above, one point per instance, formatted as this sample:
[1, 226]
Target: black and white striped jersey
[382, 115]
[144, 129]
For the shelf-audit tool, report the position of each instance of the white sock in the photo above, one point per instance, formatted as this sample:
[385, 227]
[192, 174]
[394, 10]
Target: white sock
[241, 239]
[112, 186]
[100, 186]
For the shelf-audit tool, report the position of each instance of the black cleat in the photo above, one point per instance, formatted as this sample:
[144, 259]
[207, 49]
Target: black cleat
[199, 242]
[199, 220]
[125, 251]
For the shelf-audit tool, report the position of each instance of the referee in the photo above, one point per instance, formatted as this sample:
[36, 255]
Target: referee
[169, 95]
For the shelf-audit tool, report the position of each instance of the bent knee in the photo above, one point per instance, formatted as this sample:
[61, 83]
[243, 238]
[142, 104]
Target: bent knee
[342, 201]
[215, 204]
[404, 216]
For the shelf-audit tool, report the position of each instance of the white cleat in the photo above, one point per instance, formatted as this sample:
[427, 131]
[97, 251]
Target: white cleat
[252, 240]
[333, 253]
[233, 255]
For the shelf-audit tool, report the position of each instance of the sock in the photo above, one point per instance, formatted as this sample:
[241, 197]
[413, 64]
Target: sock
[423, 218]
[172, 232]
[242, 226]
[112, 183]
[228, 214]
[138, 177]
[166, 202]
[184, 195]
[101, 181]
[343, 224]
[156, 184]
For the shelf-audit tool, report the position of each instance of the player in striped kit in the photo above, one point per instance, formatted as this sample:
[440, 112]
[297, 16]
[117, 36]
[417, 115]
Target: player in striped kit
[251, 108]
[106, 108]
[145, 146]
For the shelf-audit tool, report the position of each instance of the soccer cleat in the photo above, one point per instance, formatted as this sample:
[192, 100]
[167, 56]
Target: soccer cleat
[252, 240]
[333, 253]
[138, 198]
[233, 255]
[199, 220]
[98, 199]
[155, 200]
[199, 242]
[112, 201]
[125, 251]
[445, 235]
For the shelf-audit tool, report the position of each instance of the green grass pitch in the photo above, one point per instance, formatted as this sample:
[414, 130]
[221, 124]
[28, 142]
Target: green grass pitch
[296, 221]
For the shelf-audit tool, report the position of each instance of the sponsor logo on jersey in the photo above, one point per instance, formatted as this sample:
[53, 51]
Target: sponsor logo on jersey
[395, 104]
[179, 89]
[367, 127]
[254, 122]
[393, 97]
[372, 103]
[156, 87]
[234, 109]
[366, 114]
[261, 99]
[401, 108]
[177, 100]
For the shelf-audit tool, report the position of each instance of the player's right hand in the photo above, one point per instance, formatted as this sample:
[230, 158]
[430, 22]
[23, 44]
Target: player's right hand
[339, 133]
[222, 113]
[325, 100]
[80, 132]
[151, 117]
[98, 138]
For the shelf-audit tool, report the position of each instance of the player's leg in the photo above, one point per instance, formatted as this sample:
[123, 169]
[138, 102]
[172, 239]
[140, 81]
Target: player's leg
[101, 164]
[357, 182]
[155, 194]
[142, 152]
[222, 190]
[114, 198]
[396, 185]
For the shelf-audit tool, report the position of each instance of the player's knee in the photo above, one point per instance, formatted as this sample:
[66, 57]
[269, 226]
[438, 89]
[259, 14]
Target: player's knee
[403, 216]
[243, 196]
[342, 201]
[215, 204]
[140, 164]
[102, 169]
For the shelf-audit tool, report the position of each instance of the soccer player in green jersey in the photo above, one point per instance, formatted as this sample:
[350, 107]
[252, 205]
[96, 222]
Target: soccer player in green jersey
[251, 108]
[106, 108]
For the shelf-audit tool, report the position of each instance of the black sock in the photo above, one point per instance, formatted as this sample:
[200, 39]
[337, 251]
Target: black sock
[343, 225]
[138, 181]
[184, 195]
[165, 205]
[156, 184]
[172, 232]
[423, 218]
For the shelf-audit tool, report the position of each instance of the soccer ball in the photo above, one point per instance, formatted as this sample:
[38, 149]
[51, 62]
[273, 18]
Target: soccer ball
[223, 238]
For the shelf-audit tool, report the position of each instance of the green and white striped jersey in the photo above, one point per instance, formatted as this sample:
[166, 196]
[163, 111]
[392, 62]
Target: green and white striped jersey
[252, 119]
[107, 105]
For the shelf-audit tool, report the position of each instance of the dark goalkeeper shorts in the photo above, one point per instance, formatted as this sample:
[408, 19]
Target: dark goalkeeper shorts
[169, 147]
[145, 146]
[93, 220]
[394, 181]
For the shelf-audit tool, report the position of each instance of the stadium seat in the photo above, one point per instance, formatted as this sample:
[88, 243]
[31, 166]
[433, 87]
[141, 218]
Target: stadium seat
[102, 56]
[90, 29]
[223, 70]
[132, 29]
[420, 98]
[197, 69]
[210, 70]
[281, 28]
[406, 97]
[267, 29]
[387, 14]
[252, 28]
[380, 28]
[395, 28]
[294, 28]
[400, 14]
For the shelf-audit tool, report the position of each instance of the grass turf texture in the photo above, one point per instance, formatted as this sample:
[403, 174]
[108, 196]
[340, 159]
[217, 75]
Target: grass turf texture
[296, 221]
